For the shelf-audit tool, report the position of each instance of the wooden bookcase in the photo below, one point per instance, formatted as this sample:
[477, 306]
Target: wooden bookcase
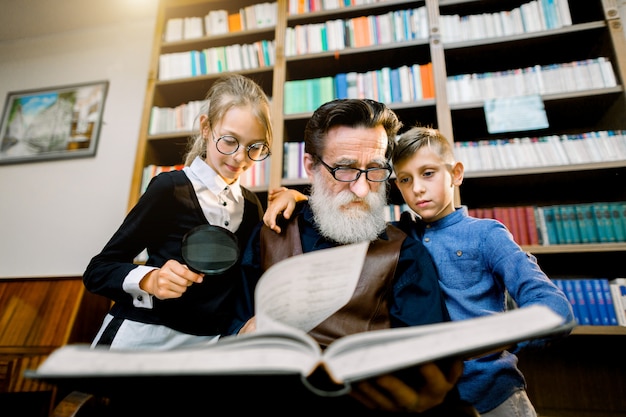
[584, 374]
[38, 315]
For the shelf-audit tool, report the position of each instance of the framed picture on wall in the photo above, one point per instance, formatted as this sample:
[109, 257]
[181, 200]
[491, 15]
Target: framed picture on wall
[52, 123]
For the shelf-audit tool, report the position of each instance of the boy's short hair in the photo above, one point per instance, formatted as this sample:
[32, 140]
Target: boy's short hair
[416, 138]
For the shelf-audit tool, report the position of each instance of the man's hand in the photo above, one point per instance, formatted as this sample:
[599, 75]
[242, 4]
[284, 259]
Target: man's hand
[390, 393]
[169, 281]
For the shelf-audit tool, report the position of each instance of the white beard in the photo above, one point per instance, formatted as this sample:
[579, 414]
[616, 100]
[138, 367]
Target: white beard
[347, 225]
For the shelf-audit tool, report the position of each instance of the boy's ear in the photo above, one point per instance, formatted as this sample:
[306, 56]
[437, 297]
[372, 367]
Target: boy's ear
[457, 173]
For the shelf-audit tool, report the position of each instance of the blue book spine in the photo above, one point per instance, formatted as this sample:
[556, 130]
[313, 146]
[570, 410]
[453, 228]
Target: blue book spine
[551, 224]
[396, 95]
[570, 224]
[567, 287]
[584, 223]
[617, 221]
[561, 231]
[598, 293]
[622, 217]
[581, 302]
[341, 85]
[195, 67]
[605, 290]
[602, 216]
[591, 301]
[202, 61]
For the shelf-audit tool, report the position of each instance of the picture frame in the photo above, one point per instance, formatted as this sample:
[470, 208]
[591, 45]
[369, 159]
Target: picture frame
[52, 123]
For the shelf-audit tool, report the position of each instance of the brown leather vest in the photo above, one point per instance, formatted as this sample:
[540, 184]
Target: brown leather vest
[368, 308]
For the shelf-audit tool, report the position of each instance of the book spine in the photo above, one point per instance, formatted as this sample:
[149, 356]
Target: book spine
[618, 294]
[617, 220]
[581, 303]
[531, 224]
[602, 217]
[598, 294]
[562, 232]
[542, 226]
[551, 224]
[605, 291]
[591, 301]
[568, 289]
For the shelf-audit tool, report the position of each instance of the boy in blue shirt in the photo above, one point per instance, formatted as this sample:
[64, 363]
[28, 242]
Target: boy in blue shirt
[478, 263]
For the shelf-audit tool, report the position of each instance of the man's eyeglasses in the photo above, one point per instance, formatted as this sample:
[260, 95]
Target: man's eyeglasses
[348, 174]
[228, 145]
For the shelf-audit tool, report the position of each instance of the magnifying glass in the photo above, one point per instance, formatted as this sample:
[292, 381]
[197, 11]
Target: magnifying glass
[210, 249]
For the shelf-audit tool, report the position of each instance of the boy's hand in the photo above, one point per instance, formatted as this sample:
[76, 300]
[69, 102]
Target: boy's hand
[281, 201]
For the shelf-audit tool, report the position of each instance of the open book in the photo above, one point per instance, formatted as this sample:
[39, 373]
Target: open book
[292, 297]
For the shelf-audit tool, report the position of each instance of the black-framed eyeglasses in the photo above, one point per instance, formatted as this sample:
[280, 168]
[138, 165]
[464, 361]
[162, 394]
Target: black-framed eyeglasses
[228, 145]
[349, 174]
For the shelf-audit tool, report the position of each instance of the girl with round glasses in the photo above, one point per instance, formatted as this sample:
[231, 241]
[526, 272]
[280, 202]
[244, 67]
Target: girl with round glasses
[163, 304]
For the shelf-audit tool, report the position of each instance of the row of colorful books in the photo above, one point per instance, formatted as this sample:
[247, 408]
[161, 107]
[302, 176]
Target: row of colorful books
[520, 220]
[598, 222]
[307, 6]
[220, 21]
[539, 79]
[541, 151]
[152, 171]
[182, 118]
[216, 60]
[389, 85]
[356, 32]
[596, 301]
[530, 17]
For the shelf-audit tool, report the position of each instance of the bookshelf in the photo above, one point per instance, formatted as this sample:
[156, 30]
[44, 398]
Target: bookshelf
[593, 32]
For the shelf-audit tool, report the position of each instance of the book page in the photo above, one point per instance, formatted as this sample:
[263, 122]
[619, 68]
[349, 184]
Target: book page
[363, 355]
[247, 354]
[303, 290]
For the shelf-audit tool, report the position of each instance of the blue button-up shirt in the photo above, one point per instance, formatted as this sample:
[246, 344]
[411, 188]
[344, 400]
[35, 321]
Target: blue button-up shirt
[477, 259]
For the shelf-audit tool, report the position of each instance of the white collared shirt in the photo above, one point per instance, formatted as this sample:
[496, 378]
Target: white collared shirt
[221, 203]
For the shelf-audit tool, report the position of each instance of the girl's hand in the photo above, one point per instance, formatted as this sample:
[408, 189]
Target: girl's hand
[169, 281]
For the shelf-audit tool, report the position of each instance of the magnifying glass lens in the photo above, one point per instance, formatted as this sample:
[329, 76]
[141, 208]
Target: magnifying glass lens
[210, 249]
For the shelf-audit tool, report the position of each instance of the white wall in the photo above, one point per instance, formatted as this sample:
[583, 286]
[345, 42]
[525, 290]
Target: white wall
[56, 215]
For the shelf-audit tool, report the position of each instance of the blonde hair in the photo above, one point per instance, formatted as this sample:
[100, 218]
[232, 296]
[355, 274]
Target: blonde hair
[416, 138]
[230, 91]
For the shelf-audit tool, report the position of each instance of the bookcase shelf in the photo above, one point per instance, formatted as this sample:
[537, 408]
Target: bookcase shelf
[595, 31]
[599, 330]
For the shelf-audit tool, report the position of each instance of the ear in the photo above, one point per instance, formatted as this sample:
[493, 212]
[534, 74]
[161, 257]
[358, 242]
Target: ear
[204, 126]
[457, 173]
[309, 164]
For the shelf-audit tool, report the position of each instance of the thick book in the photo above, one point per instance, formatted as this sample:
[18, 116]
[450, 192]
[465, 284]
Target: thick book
[292, 298]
